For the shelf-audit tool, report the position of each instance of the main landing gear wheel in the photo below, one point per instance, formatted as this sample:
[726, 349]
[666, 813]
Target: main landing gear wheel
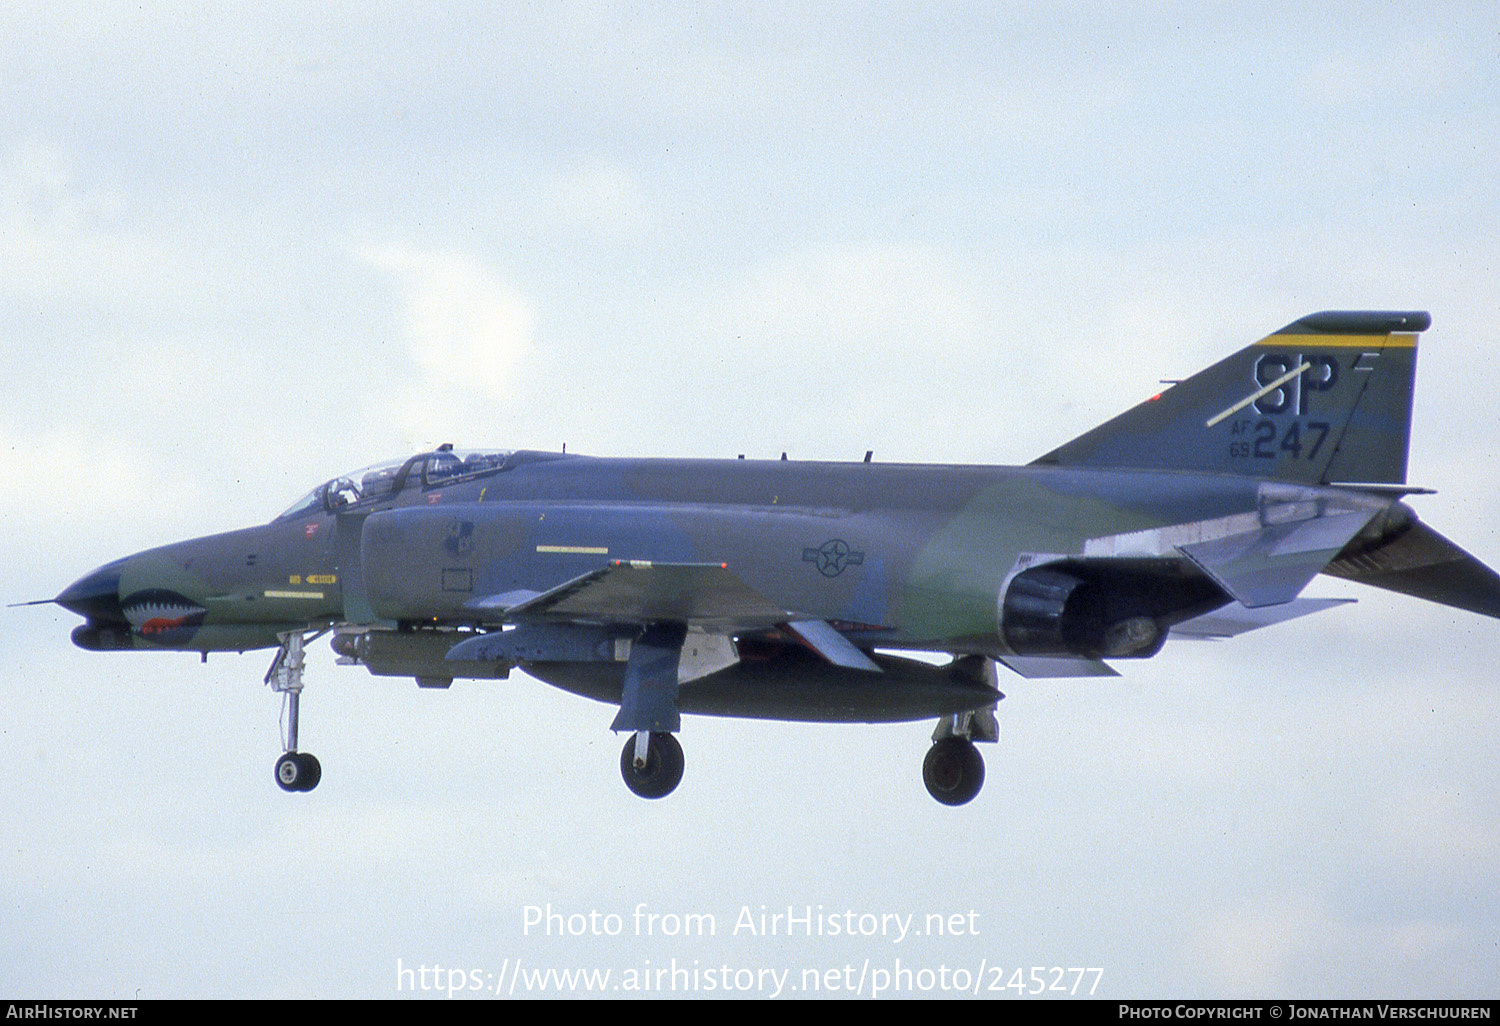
[298, 771]
[953, 771]
[660, 773]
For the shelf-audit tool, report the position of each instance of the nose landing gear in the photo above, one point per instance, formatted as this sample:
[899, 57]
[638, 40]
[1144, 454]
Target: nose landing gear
[295, 771]
[298, 771]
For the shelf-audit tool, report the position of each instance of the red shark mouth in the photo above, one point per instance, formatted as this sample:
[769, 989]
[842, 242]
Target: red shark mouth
[163, 616]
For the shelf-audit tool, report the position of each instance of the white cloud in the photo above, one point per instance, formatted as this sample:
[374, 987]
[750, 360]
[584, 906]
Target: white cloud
[467, 329]
[602, 199]
[1252, 951]
[62, 236]
[66, 473]
[38, 188]
[855, 296]
[1302, 947]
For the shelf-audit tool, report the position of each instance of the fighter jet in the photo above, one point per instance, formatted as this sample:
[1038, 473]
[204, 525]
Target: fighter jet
[792, 590]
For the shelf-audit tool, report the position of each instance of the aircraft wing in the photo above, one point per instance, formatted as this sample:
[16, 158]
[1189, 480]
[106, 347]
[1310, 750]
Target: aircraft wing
[707, 596]
[704, 595]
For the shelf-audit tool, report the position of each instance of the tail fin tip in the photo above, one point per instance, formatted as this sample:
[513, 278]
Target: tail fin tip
[1359, 322]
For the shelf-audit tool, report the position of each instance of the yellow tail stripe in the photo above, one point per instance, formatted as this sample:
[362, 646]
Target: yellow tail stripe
[1398, 340]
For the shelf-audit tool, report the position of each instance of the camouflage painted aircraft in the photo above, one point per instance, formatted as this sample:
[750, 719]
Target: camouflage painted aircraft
[790, 590]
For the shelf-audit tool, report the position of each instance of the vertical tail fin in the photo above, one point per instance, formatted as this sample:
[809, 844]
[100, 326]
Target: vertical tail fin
[1326, 399]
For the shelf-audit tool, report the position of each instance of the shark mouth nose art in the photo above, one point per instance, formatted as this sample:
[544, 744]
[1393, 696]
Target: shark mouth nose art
[158, 614]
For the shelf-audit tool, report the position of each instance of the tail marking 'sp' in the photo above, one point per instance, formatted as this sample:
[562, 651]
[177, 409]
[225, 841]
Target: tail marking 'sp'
[1326, 399]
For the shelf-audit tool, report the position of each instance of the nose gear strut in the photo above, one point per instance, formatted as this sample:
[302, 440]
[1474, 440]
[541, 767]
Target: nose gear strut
[295, 771]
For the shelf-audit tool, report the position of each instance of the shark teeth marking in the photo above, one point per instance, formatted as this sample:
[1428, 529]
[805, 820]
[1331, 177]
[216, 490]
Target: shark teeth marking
[157, 614]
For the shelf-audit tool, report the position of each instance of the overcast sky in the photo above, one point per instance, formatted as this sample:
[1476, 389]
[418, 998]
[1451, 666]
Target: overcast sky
[245, 248]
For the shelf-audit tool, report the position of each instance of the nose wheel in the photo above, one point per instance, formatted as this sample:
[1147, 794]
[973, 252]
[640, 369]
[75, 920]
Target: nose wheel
[652, 764]
[298, 771]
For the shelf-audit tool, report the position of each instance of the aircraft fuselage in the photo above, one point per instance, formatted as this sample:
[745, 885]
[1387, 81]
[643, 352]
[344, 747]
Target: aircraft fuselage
[902, 556]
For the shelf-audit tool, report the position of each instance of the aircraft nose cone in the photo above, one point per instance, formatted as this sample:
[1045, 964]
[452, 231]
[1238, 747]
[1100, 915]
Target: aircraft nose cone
[96, 595]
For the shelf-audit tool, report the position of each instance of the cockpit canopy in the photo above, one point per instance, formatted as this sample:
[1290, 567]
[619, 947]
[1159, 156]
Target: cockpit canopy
[445, 465]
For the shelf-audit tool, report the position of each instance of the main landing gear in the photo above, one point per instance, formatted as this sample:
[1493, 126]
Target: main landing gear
[954, 770]
[651, 764]
[295, 771]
